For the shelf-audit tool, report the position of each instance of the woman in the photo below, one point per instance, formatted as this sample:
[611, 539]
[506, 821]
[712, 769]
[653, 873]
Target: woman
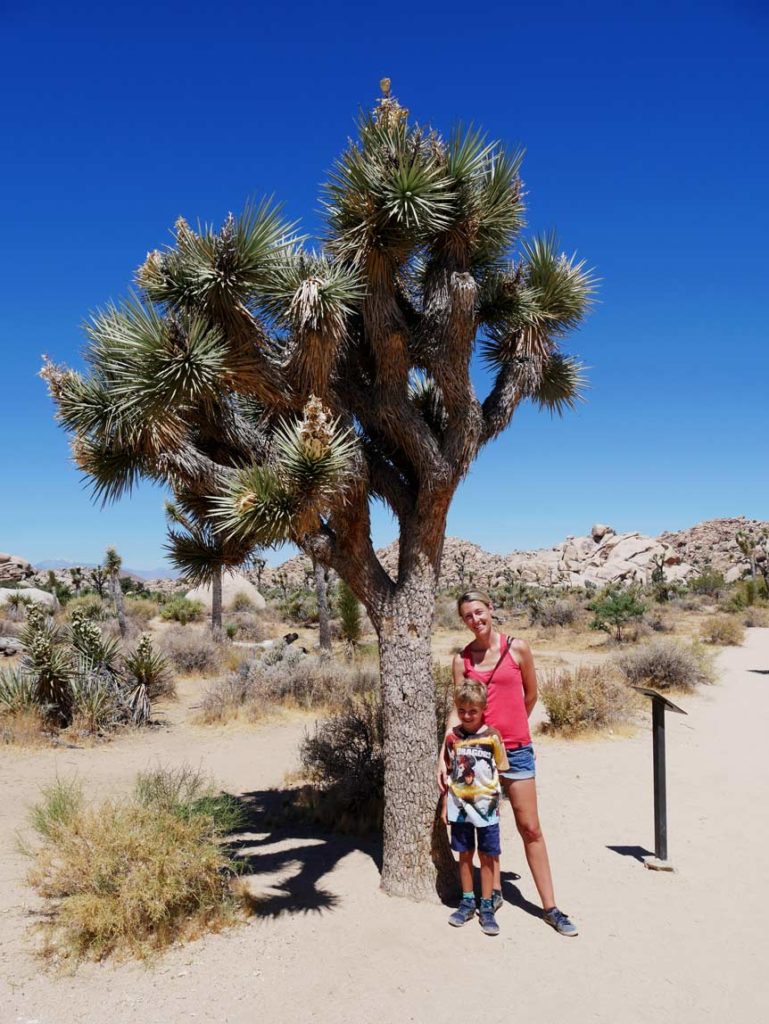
[507, 670]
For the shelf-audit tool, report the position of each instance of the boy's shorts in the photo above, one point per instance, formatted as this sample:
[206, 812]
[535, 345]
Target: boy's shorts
[463, 838]
[522, 764]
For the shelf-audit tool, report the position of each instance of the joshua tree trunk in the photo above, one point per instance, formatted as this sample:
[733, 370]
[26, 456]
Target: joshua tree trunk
[321, 590]
[117, 597]
[417, 861]
[216, 603]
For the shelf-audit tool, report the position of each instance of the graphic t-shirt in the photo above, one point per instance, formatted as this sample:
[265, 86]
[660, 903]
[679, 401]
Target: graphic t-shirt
[474, 760]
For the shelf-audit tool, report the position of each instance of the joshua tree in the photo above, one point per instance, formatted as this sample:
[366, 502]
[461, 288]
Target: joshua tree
[200, 553]
[321, 593]
[294, 387]
[112, 565]
[98, 577]
[76, 576]
[259, 565]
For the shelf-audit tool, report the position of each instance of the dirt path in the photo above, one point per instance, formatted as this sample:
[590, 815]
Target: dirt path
[329, 947]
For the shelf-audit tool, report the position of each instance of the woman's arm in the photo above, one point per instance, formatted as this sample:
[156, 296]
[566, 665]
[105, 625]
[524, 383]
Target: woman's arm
[525, 659]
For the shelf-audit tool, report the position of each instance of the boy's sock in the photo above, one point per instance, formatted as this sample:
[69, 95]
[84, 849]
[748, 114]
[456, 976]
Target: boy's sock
[469, 896]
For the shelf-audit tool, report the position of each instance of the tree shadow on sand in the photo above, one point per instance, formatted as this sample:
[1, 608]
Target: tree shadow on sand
[287, 857]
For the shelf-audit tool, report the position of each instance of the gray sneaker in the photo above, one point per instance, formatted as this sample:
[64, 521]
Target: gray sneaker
[560, 921]
[497, 901]
[465, 912]
[489, 924]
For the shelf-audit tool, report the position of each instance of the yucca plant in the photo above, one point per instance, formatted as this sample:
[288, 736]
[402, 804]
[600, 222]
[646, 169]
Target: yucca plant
[288, 388]
[147, 676]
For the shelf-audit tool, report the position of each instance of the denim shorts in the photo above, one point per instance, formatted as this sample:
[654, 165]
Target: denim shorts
[463, 835]
[522, 764]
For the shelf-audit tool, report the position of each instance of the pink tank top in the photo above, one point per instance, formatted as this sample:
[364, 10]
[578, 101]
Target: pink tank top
[505, 710]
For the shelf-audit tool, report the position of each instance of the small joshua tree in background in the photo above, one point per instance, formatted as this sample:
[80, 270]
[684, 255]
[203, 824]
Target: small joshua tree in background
[349, 616]
[112, 566]
[615, 608]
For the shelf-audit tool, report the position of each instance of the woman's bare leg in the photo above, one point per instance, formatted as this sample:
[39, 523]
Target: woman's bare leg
[522, 794]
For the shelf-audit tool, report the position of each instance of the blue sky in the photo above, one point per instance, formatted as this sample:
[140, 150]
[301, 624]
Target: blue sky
[646, 148]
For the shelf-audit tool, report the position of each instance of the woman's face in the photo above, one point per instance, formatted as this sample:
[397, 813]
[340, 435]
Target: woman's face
[476, 616]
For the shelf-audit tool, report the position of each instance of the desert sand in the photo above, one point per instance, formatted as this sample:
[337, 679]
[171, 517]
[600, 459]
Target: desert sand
[328, 946]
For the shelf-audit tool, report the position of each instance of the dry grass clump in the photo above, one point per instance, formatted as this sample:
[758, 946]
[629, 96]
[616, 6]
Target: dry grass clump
[140, 610]
[754, 615]
[665, 664]
[129, 877]
[554, 611]
[585, 698]
[284, 678]
[26, 727]
[246, 624]
[9, 627]
[723, 630]
[191, 650]
[343, 763]
[91, 606]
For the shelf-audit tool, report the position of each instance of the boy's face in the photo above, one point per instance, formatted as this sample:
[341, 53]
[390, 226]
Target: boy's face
[471, 716]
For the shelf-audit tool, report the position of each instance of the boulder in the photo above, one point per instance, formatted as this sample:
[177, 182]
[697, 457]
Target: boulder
[9, 645]
[233, 583]
[41, 597]
[600, 530]
[13, 568]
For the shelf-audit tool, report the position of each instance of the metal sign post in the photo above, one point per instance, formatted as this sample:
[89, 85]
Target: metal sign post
[660, 704]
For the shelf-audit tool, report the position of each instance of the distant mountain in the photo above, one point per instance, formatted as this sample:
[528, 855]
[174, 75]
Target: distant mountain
[163, 573]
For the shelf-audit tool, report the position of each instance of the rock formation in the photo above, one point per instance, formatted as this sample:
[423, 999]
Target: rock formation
[13, 568]
[233, 583]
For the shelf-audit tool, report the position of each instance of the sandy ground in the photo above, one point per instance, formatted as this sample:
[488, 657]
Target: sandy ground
[329, 947]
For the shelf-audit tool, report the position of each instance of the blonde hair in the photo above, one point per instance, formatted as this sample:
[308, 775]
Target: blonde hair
[470, 691]
[473, 595]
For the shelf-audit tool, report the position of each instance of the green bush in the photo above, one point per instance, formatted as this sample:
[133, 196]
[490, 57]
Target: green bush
[140, 610]
[348, 607]
[587, 697]
[241, 602]
[710, 582]
[615, 608]
[90, 606]
[662, 664]
[182, 610]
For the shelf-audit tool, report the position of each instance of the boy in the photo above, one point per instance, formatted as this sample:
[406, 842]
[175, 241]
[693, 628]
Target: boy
[475, 755]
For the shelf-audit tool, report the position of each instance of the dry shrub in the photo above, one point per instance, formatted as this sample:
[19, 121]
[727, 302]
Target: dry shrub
[662, 664]
[248, 624]
[191, 650]
[10, 628]
[587, 697]
[139, 610]
[26, 727]
[241, 602]
[343, 762]
[554, 612]
[755, 615]
[91, 605]
[445, 613]
[128, 877]
[260, 686]
[723, 630]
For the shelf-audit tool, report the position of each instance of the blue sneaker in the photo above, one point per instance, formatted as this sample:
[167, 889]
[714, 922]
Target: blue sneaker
[560, 921]
[489, 924]
[465, 912]
[497, 900]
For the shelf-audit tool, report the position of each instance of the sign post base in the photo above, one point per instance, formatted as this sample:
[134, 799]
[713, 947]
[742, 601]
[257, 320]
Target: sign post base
[656, 864]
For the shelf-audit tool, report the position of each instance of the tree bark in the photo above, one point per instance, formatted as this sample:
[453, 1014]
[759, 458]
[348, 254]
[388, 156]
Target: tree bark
[321, 591]
[117, 597]
[216, 603]
[417, 860]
